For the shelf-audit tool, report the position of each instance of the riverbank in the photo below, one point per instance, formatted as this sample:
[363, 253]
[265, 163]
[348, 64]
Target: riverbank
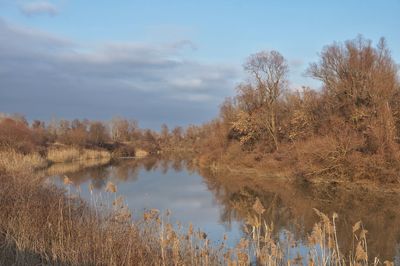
[314, 165]
[259, 175]
[57, 158]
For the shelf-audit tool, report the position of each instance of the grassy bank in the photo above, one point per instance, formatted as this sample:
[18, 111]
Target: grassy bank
[57, 160]
[12, 161]
[71, 154]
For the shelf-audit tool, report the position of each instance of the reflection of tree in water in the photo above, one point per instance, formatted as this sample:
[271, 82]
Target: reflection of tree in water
[164, 165]
[178, 162]
[98, 184]
[177, 165]
[123, 172]
[290, 207]
[98, 176]
[129, 169]
[99, 173]
[150, 163]
[237, 205]
[83, 175]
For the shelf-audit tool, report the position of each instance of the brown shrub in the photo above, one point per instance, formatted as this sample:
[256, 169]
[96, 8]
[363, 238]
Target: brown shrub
[17, 135]
[124, 150]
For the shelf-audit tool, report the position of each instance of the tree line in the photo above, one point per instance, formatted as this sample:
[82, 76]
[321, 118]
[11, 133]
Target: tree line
[349, 128]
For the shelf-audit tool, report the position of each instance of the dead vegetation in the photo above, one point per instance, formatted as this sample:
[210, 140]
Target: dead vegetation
[348, 130]
[12, 161]
[70, 154]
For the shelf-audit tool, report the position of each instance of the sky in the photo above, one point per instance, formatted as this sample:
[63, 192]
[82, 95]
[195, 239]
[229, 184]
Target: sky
[164, 61]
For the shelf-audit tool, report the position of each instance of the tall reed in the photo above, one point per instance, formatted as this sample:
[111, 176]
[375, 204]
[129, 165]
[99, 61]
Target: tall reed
[12, 161]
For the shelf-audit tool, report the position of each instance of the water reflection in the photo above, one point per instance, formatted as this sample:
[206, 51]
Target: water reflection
[290, 207]
[221, 203]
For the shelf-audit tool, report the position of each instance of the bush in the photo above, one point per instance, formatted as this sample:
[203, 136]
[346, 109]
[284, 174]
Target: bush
[124, 150]
[17, 135]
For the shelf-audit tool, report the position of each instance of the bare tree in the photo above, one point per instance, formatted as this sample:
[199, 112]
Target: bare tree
[118, 126]
[269, 73]
[122, 129]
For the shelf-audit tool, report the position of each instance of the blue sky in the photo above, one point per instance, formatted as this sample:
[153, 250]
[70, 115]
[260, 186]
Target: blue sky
[157, 61]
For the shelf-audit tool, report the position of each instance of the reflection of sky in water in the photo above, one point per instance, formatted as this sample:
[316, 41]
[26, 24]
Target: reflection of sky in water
[183, 193]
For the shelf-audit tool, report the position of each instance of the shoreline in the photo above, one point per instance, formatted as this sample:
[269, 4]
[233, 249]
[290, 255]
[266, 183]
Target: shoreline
[260, 174]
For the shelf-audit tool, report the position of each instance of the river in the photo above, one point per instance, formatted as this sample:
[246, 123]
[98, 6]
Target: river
[219, 204]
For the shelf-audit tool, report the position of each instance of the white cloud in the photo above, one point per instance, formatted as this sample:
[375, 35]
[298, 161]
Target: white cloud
[39, 8]
[187, 83]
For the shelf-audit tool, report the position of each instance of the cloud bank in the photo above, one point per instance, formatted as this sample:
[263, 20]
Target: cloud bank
[39, 8]
[43, 76]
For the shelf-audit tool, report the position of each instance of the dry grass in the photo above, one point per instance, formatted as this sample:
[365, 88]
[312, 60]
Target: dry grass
[12, 161]
[70, 154]
[141, 153]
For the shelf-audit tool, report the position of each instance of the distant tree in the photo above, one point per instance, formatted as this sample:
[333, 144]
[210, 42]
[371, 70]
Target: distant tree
[191, 133]
[16, 134]
[77, 124]
[98, 134]
[116, 128]
[77, 136]
[133, 128]
[164, 134]
[63, 127]
[37, 124]
[164, 131]
[177, 134]
[19, 118]
[122, 129]
[149, 141]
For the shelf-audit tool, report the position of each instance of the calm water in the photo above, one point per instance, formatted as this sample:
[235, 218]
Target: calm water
[220, 204]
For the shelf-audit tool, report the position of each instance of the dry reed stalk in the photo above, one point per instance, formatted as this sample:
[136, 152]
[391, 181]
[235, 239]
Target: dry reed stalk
[111, 187]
